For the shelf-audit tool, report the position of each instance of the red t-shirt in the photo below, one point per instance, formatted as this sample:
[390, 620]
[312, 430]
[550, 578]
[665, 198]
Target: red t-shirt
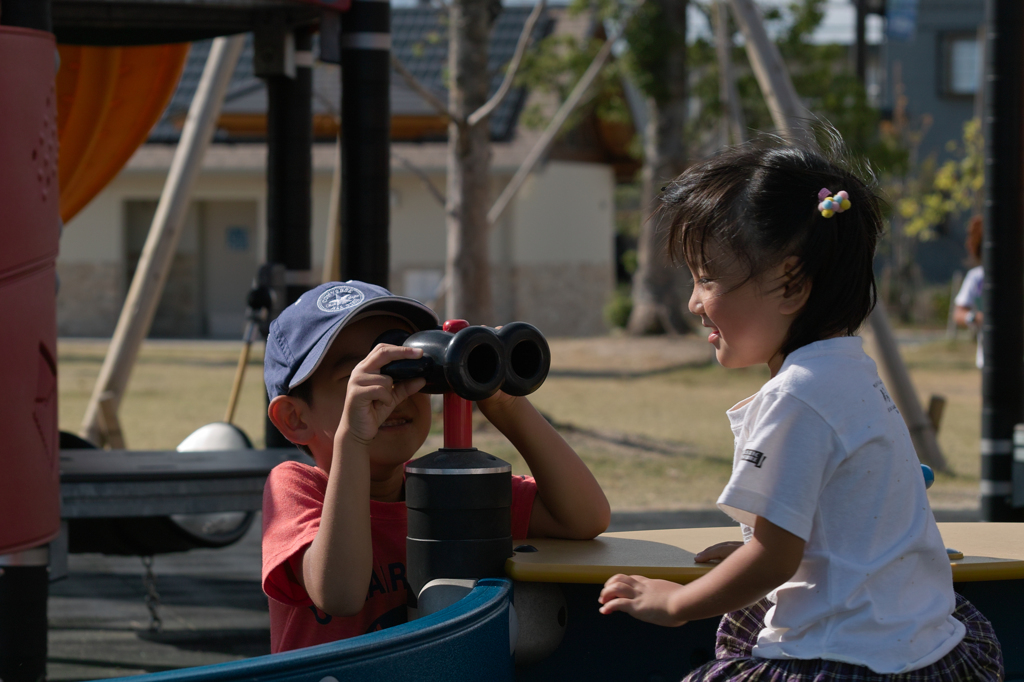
[293, 499]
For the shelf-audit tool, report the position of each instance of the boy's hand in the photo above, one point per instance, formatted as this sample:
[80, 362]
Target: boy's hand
[498, 402]
[372, 396]
[717, 552]
[644, 599]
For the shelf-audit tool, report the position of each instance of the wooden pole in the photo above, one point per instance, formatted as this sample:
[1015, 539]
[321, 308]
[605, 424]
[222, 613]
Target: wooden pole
[792, 121]
[332, 253]
[161, 244]
[788, 114]
[243, 362]
[548, 137]
[922, 433]
[735, 129]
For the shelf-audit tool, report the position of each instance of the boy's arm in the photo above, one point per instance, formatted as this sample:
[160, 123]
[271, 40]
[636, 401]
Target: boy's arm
[570, 503]
[747, 574]
[337, 565]
[335, 569]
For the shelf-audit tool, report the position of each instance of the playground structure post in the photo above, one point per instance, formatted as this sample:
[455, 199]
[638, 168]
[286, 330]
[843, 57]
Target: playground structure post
[289, 78]
[365, 142]
[1002, 377]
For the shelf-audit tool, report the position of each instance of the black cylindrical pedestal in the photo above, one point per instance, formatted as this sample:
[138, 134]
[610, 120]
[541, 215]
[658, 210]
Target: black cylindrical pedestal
[460, 516]
[23, 593]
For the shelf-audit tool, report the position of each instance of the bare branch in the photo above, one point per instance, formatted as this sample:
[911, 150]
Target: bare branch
[548, 137]
[513, 66]
[424, 178]
[421, 89]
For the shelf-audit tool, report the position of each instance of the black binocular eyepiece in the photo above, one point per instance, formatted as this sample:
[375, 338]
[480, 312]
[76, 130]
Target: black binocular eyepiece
[475, 362]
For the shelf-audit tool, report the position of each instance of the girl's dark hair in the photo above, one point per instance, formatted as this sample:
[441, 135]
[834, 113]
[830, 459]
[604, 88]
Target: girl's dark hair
[759, 203]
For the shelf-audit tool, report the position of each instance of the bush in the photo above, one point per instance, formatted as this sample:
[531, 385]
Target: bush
[619, 307]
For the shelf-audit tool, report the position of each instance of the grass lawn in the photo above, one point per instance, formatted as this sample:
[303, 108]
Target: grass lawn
[647, 415]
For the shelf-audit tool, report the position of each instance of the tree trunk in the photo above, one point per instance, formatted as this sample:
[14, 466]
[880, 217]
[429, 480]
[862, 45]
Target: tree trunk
[661, 290]
[469, 161]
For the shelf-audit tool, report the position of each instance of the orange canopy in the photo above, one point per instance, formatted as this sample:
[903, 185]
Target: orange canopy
[108, 100]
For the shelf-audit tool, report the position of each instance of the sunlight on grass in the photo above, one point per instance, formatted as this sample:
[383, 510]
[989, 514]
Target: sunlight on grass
[179, 386]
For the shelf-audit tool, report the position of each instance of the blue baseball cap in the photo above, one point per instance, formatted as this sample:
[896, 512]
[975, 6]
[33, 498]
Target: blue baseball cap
[302, 333]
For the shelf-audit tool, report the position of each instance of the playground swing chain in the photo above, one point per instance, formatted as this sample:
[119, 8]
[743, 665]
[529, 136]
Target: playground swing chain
[156, 624]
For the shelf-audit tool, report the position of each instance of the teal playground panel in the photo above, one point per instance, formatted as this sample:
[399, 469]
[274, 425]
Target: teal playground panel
[466, 641]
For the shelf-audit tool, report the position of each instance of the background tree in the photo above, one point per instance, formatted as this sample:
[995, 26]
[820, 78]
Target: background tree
[657, 60]
[677, 79]
[469, 161]
[467, 281]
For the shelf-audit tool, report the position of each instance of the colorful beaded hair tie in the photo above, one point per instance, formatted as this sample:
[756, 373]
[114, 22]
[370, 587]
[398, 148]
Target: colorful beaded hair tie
[830, 205]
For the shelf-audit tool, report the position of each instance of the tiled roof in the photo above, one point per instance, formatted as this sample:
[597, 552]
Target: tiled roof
[420, 40]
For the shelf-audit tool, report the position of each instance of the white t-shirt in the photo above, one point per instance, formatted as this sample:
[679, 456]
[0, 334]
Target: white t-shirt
[822, 452]
[969, 296]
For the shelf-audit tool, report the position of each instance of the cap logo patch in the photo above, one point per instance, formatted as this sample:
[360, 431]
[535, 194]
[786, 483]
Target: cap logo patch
[339, 298]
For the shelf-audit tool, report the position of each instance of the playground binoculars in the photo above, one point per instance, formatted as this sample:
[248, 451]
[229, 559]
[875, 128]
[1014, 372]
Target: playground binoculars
[473, 363]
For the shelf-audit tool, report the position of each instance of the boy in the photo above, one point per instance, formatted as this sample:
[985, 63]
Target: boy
[334, 534]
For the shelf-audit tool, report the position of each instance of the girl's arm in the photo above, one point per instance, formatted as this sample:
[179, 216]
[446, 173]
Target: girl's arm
[770, 558]
[570, 503]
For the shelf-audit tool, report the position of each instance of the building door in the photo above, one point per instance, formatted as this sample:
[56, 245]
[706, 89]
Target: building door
[229, 246]
[178, 315]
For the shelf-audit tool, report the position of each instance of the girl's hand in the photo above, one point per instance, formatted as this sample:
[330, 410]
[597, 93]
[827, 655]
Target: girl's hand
[644, 599]
[371, 397]
[717, 552]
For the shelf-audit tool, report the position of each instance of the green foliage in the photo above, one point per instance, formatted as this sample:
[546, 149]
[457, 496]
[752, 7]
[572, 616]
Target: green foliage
[554, 66]
[649, 38]
[627, 210]
[948, 190]
[630, 261]
[821, 74]
[619, 307]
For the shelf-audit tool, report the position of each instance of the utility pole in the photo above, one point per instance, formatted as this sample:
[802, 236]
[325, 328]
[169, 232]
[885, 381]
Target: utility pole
[1002, 377]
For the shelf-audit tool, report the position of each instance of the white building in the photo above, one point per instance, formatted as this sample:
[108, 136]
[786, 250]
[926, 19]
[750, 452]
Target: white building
[552, 254]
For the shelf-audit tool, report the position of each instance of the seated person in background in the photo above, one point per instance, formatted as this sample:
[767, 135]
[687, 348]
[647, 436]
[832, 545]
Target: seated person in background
[334, 534]
[967, 312]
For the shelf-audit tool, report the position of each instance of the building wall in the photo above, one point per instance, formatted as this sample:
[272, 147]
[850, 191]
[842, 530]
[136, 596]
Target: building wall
[99, 247]
[918, 65]
[551, 254]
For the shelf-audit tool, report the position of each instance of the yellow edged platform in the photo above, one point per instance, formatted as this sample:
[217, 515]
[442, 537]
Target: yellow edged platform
[992, 551]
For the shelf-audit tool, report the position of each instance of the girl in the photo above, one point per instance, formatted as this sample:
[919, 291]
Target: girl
[842, 573]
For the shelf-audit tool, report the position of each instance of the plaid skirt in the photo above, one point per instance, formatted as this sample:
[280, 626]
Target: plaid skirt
[977, 657]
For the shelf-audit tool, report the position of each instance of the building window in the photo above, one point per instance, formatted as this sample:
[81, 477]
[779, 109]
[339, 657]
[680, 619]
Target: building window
[960, 64]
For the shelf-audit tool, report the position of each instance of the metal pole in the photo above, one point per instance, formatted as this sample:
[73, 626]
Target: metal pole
[365, 141]
[1002, 378]
[155, 262]
[861, 55]
[289, 180]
